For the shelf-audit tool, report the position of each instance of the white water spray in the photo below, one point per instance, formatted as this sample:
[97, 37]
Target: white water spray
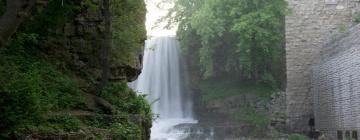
[163, 79]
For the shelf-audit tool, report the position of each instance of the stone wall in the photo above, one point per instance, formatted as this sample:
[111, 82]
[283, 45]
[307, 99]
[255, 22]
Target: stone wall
[336, 86]
[307, 26]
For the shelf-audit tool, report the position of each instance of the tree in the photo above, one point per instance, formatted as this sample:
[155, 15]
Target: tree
[238, 37]
[106, 46]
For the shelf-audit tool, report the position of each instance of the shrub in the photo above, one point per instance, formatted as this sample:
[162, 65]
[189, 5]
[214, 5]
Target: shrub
[30, 87]
[126, 100]
[127, 131]
[53, 125]
[20, 96]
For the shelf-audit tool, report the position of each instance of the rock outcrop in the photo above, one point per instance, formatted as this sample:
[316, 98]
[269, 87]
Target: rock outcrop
[75, 48]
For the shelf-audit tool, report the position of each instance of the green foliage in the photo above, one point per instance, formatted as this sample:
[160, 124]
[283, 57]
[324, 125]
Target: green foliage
[356, 18]
[54, 125]
[128, 30]
[91, 5]
[20, 99]
[56, 13]
[2, 6]
[237, 36]
[127, 131]
[67, 123]
[30, 87]
[34, 92]
[298, 137]
[259, 118]
[126, 100]
[221, 88]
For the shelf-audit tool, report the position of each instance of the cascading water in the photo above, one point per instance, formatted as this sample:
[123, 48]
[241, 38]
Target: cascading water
[163, 79]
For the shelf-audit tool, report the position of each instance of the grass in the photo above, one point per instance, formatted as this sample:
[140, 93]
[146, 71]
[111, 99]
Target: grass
[218, 89]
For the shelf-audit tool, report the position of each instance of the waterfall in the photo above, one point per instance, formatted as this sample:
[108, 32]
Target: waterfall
[163, 80]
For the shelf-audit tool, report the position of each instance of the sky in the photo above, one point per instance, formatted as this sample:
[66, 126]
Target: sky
[153, 14]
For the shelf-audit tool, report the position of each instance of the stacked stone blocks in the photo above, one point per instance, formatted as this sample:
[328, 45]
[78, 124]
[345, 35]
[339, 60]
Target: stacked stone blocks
[336, 85]
[308, 25]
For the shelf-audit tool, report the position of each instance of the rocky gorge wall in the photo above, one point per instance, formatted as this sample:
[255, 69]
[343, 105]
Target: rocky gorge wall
[78, 43]
[336, 86]
[307, 26]
[74, 47]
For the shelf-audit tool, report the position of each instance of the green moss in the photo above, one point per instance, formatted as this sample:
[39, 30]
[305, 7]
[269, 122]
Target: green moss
[221, 88]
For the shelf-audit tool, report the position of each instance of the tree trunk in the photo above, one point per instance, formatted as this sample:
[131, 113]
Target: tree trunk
[106, 46]
[254, 65]
[16, 11]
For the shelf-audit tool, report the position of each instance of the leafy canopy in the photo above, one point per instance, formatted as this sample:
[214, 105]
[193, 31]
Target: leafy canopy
[236, 36]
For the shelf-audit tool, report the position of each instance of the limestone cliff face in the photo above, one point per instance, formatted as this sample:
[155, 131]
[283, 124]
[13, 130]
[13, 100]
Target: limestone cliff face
[76, 45]
[75, 48]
